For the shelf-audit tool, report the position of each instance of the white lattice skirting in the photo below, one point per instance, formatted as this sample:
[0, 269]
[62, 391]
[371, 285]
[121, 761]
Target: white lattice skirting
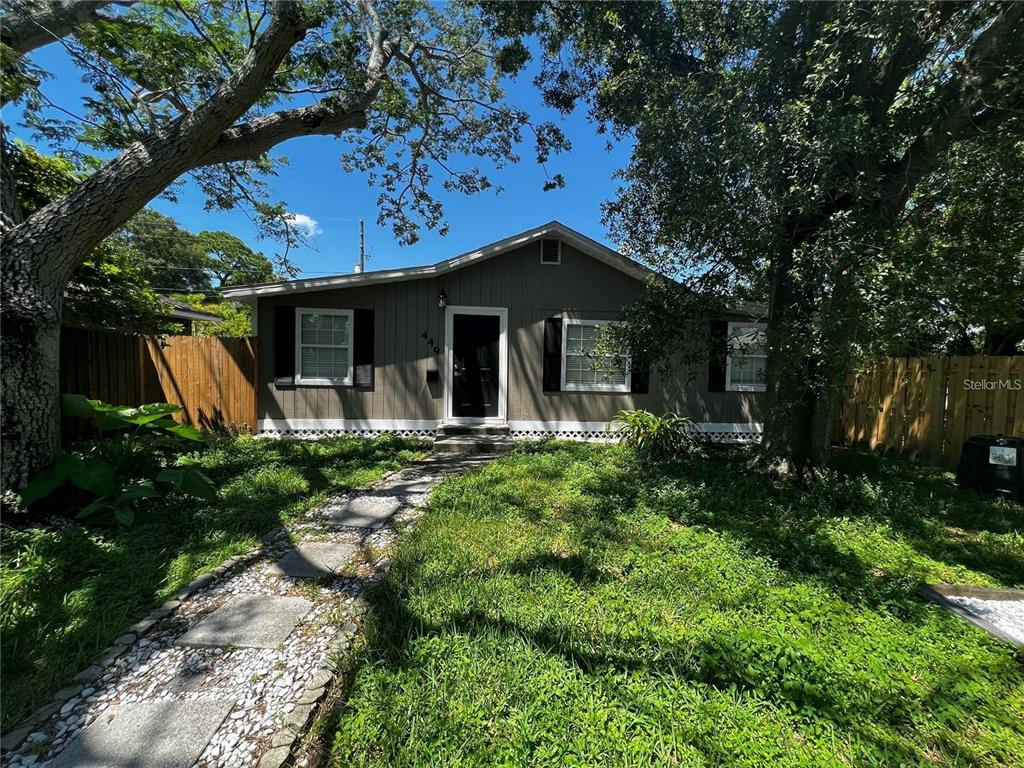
[716, 432]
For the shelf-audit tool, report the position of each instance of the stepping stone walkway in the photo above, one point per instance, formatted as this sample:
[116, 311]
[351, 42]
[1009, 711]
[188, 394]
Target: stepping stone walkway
[314, 560]
[166, 734]
[365, 511]
[248, 622]
[229, 672]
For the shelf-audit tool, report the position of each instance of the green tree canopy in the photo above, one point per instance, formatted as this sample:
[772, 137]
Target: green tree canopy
[231, 262]
[776, 147]
[111, 287]
[205, 91]
[952, 280]
[120, 284]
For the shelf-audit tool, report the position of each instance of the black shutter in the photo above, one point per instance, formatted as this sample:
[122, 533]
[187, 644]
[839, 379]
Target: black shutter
[362, 348]
[718, 353]
[552, 354]
[640, 377]
[284, 347]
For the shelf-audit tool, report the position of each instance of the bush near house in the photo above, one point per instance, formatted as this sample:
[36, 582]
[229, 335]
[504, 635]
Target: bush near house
[569, 606]
[67, 591]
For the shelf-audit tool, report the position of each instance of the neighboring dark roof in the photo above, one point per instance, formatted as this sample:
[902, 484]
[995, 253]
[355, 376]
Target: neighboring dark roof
[179, 310]
[553, 228]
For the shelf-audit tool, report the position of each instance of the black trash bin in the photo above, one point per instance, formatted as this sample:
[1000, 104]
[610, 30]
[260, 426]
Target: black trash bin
[994, 464]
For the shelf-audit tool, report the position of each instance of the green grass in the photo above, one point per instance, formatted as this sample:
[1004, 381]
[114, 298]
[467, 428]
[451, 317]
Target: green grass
[66, 594]
[563, 607]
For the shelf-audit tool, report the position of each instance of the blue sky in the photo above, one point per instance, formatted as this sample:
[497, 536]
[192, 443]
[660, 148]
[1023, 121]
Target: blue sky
[315, 186]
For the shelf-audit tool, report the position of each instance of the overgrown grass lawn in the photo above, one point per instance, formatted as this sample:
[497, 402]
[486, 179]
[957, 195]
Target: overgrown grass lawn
[66, 594]
[563, 607]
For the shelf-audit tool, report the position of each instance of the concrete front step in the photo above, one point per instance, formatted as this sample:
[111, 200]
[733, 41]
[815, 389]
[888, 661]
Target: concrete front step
[474, 444]
[447, 429]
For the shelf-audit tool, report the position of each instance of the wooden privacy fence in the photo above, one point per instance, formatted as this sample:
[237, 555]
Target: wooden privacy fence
[925, 407]
[213, 379]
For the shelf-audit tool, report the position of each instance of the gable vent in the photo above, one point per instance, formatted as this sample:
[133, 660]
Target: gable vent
[551, 251]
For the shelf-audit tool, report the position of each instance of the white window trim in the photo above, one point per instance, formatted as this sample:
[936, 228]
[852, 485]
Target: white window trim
[729, 386]
[551, 263]
[321, 380]
[626, 386]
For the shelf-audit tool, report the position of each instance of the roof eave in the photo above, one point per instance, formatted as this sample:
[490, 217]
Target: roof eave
[582, 242]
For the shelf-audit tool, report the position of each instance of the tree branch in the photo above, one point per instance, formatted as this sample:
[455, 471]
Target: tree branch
[328, 117]
[108, 198]
[968, 104]
[31, 24]
[250, 140]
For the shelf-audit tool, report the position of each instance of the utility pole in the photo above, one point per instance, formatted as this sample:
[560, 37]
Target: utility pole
[362, 248]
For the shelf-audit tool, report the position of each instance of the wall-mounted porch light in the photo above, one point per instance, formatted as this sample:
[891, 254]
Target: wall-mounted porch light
[442, 299]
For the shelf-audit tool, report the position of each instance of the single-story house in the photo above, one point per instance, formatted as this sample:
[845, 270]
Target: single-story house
[497, 336]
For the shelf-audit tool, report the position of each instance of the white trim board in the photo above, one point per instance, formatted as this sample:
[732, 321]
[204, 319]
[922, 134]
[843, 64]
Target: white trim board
[552, 229]
[386, 425]
[448, 374]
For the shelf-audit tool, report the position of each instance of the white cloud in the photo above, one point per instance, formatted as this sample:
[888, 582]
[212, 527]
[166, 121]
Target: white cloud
[305, 225]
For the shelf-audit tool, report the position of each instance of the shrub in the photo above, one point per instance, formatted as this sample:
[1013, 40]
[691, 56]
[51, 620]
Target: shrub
[656, 437]
[141, 461]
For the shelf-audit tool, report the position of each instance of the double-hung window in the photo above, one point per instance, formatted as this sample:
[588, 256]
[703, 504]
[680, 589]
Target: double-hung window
[584, 369]
[747, 362]
[323, 346]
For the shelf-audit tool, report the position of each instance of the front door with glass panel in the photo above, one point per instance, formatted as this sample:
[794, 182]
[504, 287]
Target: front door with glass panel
[475, 361]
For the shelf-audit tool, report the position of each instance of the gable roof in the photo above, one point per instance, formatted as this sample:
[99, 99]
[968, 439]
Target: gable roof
[551, 229]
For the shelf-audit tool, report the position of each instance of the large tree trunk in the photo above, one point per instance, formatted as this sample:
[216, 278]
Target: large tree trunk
[30, 356]
[808, 356]
[41, 253]
[29, 360]
[798, 422]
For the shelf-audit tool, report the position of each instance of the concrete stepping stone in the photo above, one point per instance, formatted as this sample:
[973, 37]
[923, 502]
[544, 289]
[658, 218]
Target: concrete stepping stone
[248, 621]
[313, 560]
[412, 486]
[368, 511]
[159, 734]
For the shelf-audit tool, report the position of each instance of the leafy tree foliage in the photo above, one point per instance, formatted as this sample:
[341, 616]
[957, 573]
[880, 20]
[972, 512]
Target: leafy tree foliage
[232, 262]
[173, 257]
[205, 91]
[120, 284]
[236, 318]
[111, 287]
[777, 146]
[952, 280]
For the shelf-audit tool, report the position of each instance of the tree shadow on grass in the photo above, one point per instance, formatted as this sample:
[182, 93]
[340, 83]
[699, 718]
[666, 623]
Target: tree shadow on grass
[877, 710]
[68, 593]
[796, 528]
[743, 666]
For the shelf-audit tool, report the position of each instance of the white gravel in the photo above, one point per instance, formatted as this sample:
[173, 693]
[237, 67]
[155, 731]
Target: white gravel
[264, 683]
[1007, 615]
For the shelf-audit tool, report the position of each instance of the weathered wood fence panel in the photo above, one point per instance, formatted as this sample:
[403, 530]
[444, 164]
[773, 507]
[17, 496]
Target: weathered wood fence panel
[213, 379]
[925, 407]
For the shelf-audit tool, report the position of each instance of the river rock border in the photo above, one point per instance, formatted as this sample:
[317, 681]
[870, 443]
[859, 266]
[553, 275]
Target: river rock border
[14, 738]
[279, 742]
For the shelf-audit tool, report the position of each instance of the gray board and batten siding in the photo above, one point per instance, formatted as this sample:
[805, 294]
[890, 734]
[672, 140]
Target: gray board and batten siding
[405, 390]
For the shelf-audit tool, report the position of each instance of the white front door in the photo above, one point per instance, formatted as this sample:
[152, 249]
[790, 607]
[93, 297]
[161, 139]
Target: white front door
[476, 371]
